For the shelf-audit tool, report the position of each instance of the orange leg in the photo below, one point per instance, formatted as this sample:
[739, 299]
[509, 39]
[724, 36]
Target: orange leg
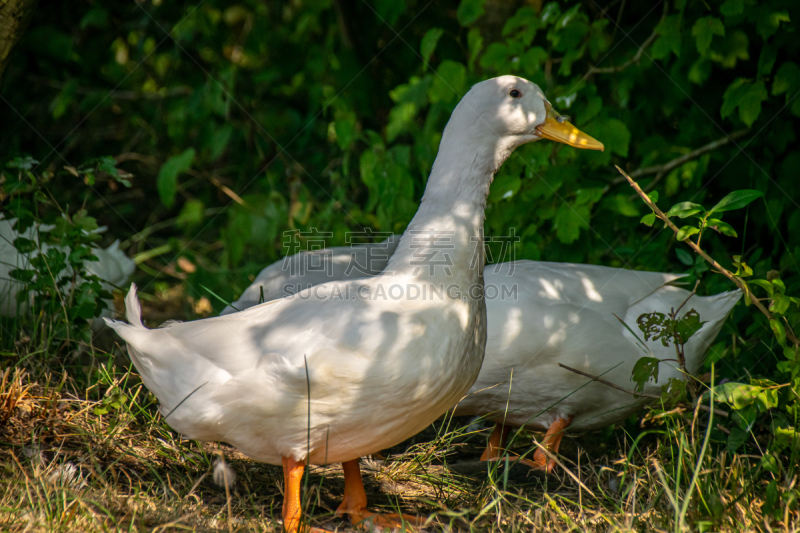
[552, 441]
[292, 480]
[497, 442]
[354, 504]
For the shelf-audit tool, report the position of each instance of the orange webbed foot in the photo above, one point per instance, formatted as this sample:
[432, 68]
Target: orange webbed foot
[552, 441]
[354, 505]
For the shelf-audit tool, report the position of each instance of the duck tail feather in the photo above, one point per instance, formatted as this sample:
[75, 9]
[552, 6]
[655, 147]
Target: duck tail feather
[133, 312]
[133, 309]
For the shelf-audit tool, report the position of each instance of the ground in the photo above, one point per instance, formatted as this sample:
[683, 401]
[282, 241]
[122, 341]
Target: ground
[102, 459]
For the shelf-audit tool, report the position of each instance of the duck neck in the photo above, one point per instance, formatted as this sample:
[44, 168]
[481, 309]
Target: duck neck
[444, 241]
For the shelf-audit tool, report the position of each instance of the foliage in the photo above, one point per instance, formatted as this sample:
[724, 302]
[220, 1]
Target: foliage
[233, 123]
[56, 291]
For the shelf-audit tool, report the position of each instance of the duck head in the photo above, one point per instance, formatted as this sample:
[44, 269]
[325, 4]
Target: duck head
[515, 111]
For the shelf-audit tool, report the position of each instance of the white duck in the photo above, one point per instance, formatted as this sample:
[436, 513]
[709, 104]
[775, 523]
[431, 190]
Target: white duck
[113, 267]
[355, 366]
[540, 314]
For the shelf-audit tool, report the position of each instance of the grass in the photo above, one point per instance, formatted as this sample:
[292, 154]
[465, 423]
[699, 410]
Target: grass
[84, 448]
[68, 468]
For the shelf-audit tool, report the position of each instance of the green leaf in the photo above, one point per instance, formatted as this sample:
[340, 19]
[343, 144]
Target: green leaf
[686, 231]
[699, 71]
[773, 496]
[504, 186]
[191, 214]
[220, 141]
[736, 200]
[721, 227]
[669, 31]
[742, 270]
[732, 8]
[737, 395]
[673, 392]
[429, 42]
[495, 57]
[522, 26]
[780, 304]
[684, 256]
[474, 44]
[569, 221]
[777, 328]
[747, 96]
[615, 134]
[345, 129]
[648, 220]
[685, 209]
[645, 369]
[786, 79]
[25, 276]
[469, 11]
[766, 60]
[767, 399]
[390, 10]
[64, 99]
[24, 246]
[401, 117]
[588, 196]
[167, 182]
[764, 284]
[687, 326]
[704, 30]
[449, 84]
[736, 439]
[85, 222]
[785, 437]
[620, 203]
[768, 21]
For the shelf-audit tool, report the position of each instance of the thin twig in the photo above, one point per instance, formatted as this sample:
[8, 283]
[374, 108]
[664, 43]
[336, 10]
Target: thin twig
[678, 310]
[638, 56]
[722, 270]
[679, 342]
[631, 61]
[633, 393]
[661, 170]
[604, 382]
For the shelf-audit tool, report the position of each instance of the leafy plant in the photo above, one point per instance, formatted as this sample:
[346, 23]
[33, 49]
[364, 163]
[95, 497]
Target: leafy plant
[48, 272]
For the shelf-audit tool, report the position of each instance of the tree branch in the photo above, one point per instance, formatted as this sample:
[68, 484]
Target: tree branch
[722, 270]
[15, 15]
[117, 95]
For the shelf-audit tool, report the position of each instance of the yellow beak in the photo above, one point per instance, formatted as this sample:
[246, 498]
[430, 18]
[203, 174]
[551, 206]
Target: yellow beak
[557, 128]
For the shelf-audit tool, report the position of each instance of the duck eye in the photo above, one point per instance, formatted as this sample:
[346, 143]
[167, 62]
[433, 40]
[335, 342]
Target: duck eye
[514, 93]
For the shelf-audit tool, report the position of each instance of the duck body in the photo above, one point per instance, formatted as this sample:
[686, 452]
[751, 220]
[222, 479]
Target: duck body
[541, 314]
[566, 314]
[257, 368]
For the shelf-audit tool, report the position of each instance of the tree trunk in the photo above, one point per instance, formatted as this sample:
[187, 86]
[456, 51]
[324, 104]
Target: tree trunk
[14, 18]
